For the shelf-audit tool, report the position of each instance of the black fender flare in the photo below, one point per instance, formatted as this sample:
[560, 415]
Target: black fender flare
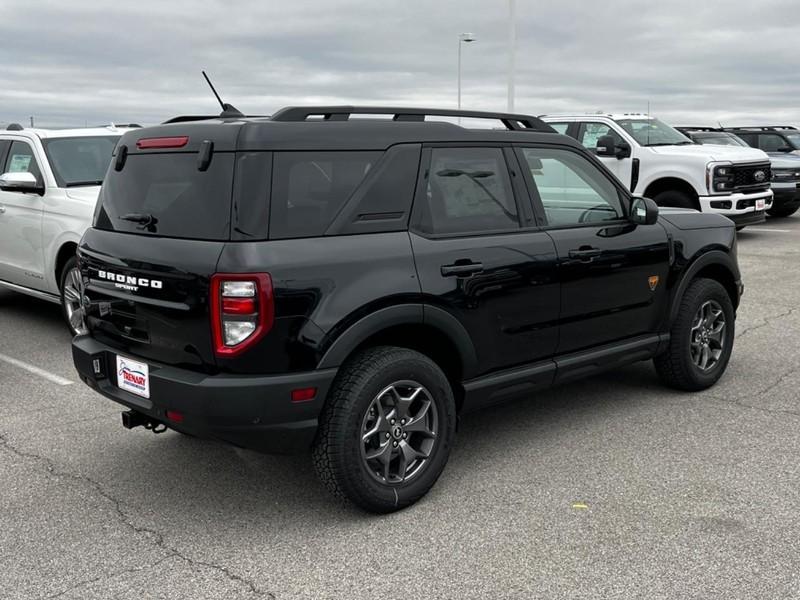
[712, 257]
[402, 314]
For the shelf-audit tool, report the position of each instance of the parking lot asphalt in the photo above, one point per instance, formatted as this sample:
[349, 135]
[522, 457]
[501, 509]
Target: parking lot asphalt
[613, 487]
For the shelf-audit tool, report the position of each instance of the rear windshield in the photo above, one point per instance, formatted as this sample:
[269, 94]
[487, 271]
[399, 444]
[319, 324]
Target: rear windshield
[166, 195]
[79, 161]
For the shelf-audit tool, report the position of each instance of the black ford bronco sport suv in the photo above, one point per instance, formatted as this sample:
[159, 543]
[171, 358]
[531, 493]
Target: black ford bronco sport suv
[353, 285]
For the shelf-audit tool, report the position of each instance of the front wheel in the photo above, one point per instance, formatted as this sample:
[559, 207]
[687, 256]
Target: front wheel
[701, 338]
[386, 431]
[71, 297]
[782, 211]
[674, 198]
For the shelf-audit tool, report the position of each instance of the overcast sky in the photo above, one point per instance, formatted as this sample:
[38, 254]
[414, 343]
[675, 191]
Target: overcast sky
[696, 61]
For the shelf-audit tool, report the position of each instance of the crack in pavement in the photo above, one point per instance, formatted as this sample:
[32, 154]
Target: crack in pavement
[778, 381]
[156, 537]
[767, 320]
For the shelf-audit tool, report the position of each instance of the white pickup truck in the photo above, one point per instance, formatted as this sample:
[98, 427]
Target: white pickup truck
[654, 160]
[49, 182]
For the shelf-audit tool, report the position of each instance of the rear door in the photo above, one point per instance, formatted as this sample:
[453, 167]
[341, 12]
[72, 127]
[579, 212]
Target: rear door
[21, 257]
[160, 226]
[480, 256]
[612, 273]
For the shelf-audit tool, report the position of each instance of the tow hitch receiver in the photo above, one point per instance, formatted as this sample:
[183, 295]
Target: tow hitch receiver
[132, 418]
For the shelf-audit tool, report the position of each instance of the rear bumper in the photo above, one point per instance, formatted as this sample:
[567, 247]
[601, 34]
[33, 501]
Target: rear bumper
[250, 411]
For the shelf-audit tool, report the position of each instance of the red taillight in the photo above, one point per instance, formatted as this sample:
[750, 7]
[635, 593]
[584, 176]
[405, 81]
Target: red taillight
[304, 394]
[162, 142]
[242, 310]
[238, 306]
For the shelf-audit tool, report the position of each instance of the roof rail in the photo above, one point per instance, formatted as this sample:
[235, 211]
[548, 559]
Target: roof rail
[516, 122]
[765, 128]
[14, 127]
[684, 129]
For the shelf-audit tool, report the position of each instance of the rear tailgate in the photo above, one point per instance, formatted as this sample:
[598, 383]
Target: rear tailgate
[150, 298]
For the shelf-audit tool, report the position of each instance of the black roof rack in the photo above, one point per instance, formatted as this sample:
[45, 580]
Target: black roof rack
[765, 128]
[684, 129]
[516, 122]
[14, 127]
[123, 125]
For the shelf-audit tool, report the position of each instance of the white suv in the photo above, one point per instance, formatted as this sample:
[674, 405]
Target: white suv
[49, 184]
[654, 160]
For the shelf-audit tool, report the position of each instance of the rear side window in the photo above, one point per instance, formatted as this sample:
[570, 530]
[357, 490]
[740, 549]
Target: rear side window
[309, 189]
[80, 160]
[166, 195]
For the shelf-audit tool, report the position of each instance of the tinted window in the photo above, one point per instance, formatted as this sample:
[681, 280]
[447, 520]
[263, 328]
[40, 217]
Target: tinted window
[80, 160]
[589, 133]
[771, 142]
[468, 191]
[166, 195]
[718, 139]
[22, 160]
[572, 189]
[309, 189]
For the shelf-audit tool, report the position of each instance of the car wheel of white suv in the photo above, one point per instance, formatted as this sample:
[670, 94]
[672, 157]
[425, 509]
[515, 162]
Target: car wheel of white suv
[71, 297]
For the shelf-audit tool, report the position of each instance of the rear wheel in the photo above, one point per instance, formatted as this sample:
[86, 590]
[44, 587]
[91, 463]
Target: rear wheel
[386, 431]
[674, 198]
[782, 211]
[71, 297]
[701, 338]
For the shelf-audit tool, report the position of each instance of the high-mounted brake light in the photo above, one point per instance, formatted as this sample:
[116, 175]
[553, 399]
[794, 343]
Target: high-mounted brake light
[242, 310]
[162, 142]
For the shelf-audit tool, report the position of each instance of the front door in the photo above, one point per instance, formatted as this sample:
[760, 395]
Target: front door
[612, 272]
[21, 258]
[480, 257]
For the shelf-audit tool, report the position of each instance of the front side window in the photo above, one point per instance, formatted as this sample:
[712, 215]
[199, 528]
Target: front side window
[309, 189]
[79, 161]
[573, 191]
[590, 133]
[771, 142]
[652, 132]
[794, 140]
[468, 191]
[22, 160]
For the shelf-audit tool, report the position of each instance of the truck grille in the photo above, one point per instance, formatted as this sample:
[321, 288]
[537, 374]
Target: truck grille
[752, 177]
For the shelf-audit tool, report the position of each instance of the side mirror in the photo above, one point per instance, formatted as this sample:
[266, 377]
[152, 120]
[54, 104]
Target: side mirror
[606, 146]
[644, 211]
[20, 182]
[786, 149]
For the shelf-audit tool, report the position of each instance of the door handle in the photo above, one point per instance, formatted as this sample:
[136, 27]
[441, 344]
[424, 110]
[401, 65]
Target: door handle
[585, 253]
[461, 269]
[2, 209]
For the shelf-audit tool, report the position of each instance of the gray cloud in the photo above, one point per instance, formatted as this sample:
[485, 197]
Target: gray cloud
[695, 61]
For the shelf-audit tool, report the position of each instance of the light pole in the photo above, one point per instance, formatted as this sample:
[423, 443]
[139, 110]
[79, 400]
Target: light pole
[462, 38]
[512, 51]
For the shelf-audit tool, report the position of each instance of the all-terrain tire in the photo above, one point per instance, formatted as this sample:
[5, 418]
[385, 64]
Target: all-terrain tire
[339, 458]
[782, 211]
[675, 366]
[674, 198]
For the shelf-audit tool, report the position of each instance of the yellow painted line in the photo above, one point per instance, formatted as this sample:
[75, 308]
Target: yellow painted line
[580, 505]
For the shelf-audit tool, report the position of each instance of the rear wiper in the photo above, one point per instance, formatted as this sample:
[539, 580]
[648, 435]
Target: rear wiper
[145, 221]
[80, 183]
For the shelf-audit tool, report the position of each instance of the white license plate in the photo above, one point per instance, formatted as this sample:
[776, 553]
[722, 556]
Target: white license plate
[133, 376]
[761, 204]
